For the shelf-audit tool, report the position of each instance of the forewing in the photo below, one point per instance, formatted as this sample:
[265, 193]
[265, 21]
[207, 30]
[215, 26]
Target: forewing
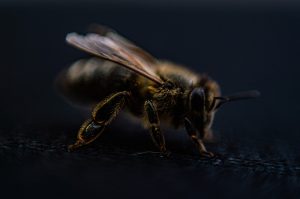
[115, 49]
[110, 33]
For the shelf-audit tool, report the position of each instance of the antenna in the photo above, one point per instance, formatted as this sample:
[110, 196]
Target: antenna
[234, 97]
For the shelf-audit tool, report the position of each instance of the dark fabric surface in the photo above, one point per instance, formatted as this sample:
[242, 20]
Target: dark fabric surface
[35, 162]
[241, 47]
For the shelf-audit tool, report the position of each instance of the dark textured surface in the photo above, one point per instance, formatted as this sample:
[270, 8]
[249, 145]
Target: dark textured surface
[242, 47]
[125, 165]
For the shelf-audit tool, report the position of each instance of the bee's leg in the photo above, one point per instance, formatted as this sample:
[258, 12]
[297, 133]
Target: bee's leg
[192, 131]
[157, 136]
[102, 115]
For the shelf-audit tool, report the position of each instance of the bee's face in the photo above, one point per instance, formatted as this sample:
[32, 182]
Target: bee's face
[201, 108]
[203, 104]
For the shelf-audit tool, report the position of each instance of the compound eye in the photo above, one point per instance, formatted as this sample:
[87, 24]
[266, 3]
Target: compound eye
[197, 100]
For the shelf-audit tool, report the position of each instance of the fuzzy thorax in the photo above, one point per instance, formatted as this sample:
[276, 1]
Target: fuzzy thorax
[167, 98]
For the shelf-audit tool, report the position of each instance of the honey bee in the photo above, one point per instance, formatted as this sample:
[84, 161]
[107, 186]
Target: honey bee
[120, 75]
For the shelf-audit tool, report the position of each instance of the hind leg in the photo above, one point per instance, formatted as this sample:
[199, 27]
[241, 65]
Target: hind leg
[102, 115]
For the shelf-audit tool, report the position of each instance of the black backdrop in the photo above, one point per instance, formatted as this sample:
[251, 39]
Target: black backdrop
[242, 47]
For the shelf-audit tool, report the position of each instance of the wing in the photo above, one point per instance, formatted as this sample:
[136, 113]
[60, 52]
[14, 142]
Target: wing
[113, 47]
[107, 32]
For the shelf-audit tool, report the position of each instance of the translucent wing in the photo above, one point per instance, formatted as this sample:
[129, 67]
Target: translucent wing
[115, 48]
[107, 32]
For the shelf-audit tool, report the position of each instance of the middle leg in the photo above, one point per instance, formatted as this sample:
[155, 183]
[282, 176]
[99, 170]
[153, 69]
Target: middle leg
[153, 120]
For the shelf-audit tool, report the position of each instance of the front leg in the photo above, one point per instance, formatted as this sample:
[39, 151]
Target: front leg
[153, 121]
[191, 130]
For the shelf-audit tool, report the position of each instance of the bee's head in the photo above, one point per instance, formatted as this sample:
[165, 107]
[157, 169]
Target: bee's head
[203, 104]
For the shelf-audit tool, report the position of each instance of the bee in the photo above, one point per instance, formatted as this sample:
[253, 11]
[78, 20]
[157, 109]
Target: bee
[120, 75]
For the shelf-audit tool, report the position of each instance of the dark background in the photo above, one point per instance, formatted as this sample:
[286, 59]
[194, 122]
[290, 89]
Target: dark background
[241, 46]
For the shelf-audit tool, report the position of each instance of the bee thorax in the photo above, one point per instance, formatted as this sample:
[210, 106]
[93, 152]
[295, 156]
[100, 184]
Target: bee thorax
[166, 99]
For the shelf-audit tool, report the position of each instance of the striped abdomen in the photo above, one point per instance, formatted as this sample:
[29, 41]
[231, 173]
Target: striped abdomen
[87, 82]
